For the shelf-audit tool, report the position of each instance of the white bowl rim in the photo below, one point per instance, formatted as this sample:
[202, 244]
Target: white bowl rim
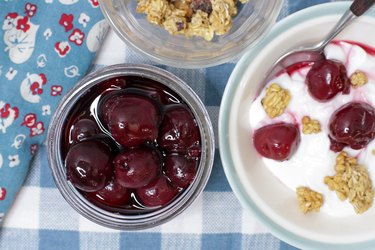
[320, 10]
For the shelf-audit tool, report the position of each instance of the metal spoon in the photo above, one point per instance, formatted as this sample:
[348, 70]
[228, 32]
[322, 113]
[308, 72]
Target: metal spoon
[315, 53]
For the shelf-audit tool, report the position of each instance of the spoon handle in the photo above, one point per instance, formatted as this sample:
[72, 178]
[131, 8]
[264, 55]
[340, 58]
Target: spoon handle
[344, 21]
[359, 7]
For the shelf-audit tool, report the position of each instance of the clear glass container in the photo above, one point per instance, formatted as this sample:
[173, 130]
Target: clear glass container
[133, 221]
[253, 21]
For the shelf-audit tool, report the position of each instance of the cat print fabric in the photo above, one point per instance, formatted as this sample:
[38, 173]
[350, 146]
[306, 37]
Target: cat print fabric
[46, 46]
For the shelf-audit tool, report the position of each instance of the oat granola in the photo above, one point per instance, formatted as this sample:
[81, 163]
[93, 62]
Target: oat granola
[309, 200]
[276, 100]
[204, 18]
[352, 182]
[358, 79]
[310, 126]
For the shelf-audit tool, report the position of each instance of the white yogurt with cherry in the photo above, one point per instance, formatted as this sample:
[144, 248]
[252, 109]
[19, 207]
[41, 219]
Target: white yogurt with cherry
[313, 159]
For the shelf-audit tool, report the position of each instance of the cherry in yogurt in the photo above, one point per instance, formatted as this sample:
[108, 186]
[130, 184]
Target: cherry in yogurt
[326, 79]
[277, 141]
[353, 125]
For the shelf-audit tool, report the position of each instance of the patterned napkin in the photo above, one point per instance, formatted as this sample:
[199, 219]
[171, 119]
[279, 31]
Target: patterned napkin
[46, 47]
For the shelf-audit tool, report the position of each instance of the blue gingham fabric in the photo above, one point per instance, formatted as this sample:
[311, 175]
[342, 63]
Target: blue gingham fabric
[41, 219]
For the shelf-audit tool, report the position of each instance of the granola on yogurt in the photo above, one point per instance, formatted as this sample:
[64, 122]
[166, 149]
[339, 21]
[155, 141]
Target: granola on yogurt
[203, 18]
[310, 126]
[275, 100]
[351, 181]
[358, 79]
[309, 200]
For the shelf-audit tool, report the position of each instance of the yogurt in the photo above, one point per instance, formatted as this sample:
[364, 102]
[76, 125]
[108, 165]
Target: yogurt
[313, 159]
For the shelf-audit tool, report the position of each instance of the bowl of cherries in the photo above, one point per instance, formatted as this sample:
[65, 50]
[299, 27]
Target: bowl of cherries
[131, 146]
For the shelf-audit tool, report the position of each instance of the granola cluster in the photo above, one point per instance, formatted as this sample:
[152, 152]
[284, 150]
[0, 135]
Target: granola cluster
[352, 182]
[203, 18]
[310, 126]
[358, 79]
[309, 200]
[276, 100]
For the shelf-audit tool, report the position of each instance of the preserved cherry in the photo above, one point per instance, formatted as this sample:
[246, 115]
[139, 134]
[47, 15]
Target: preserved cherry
[277, 141]
[352, 125]
[326, 79]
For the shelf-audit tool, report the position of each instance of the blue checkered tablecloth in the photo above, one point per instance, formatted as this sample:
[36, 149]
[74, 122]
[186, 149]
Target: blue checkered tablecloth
[41, 219]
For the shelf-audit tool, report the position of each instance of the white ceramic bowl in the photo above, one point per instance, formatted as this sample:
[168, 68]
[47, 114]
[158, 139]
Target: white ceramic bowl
[258, 189]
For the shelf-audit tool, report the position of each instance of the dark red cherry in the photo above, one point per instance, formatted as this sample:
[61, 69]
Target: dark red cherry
[89, 165]
[83, 129]
[326, 79]
[158, 193]
[180, 170]
[135, 168]
[277, 141]
[353, 125]
[113, 194]
[132, 119]
[179, 131]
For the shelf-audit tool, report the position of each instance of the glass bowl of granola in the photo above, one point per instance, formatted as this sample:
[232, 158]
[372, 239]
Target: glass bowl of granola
[190, 33]
[299, 151]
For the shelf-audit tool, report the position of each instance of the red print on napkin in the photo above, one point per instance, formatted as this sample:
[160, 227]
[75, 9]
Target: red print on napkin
[30, 121]
[3, 193]
[77, 37]
[66, 21]
[62, 48]
[30, 9]
[56, 90]
[22, 24]
[94, 3]
[8, 115]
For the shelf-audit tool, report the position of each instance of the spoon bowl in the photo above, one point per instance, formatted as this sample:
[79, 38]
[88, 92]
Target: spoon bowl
[311, 54]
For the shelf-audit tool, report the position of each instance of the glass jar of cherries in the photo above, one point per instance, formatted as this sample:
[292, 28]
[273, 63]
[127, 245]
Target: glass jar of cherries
[131, 146]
